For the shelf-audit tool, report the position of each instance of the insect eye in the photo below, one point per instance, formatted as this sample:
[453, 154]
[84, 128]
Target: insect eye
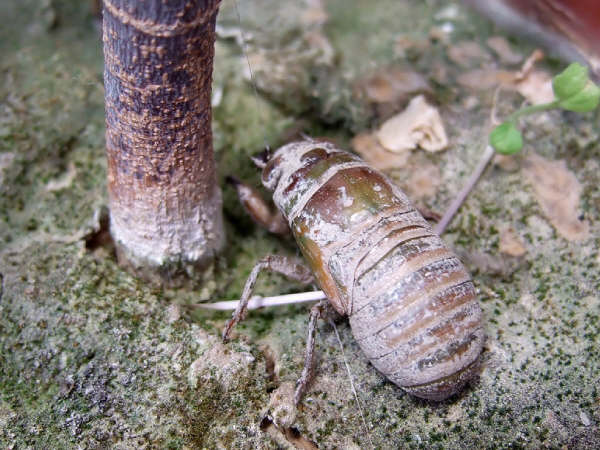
[315, 153]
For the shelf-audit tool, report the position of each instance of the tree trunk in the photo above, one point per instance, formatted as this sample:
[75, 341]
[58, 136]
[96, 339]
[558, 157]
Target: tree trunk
[165, 205]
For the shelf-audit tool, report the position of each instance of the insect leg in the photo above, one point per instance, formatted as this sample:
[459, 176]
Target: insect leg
[272, 263]
[315, 314]
[258, 209]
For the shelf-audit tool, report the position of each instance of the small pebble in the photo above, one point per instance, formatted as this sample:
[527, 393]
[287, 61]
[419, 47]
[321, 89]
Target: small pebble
[585, 420]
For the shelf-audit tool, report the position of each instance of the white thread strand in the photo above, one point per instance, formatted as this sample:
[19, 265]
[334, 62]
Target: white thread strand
[261, 302]
[358, 404]
[252, 80]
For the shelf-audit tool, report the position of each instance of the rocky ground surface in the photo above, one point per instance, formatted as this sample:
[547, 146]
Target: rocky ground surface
[91, 357]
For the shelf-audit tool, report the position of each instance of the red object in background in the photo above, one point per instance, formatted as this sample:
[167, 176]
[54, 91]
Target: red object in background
[569, 28]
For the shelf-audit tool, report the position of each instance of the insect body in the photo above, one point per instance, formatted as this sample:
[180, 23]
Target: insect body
[411, 304]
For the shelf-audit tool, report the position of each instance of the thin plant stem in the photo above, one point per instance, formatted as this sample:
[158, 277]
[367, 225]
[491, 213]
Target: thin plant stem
[532, 109]
[462, 195]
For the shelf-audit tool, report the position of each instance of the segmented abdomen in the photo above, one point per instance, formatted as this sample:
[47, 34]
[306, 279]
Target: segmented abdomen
[416, 316]
[411, 304]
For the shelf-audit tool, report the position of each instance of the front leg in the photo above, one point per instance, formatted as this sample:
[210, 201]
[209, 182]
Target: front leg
[258, 209]
[272, 263]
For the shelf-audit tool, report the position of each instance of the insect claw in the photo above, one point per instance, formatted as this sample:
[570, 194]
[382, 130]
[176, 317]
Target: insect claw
[261, 159]
[227, 330]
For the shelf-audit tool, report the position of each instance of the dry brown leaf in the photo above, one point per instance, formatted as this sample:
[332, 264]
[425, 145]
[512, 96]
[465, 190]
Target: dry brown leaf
[367, 146]
[485, 79]
[510, 243]
[502, 48]
[423, 182]
[379, 89]
[536, 87]
[393, 84]
[467, 54]
[405, 44]
[557, 191]
[419, 125]
[441, 33]
[506, 162]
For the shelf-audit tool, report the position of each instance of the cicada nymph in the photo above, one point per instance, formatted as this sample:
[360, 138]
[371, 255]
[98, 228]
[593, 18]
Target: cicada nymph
[411, 304]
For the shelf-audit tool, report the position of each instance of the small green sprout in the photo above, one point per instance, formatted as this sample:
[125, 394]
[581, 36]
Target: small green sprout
[506, 139]
[570, 81]
[573, 91]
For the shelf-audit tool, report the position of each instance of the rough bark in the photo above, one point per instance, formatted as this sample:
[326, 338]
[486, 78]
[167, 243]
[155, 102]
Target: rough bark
[165, 205]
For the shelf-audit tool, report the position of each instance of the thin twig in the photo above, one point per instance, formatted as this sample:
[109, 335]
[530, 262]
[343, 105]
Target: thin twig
[489, 151]
[462, 195]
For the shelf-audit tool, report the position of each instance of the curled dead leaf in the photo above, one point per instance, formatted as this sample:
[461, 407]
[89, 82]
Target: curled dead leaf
[557, 191]
[467, 54]
[536, 87]
[393, 84]
[419, 125]
[367, 146]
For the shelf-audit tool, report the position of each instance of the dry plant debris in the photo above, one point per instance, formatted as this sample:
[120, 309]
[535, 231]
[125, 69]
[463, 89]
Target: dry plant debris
[510, 243]
[502, 48]
[536, 87]
[419, 125]
[485, 79]
[393, 84]
[424, 181]
[557, 191]
[468, 54]
[367, 146]
[405, 44]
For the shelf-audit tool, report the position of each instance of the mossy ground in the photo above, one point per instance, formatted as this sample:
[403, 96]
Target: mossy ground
[92, 357]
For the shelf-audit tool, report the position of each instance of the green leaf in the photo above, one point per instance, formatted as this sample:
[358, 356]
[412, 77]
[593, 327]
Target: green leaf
[570, 81]
[506, 139]
[585, 100]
